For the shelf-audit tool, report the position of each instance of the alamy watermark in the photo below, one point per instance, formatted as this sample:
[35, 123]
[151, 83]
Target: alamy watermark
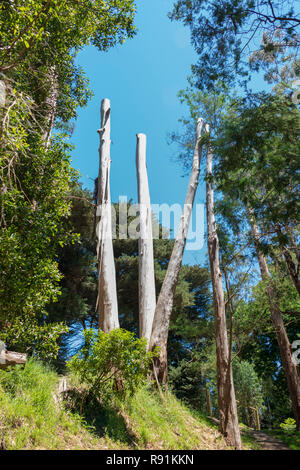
[165, 219]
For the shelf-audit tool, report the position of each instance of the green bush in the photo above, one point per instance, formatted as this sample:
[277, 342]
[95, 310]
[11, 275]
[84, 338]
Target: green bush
[289, 425]
[114, 363]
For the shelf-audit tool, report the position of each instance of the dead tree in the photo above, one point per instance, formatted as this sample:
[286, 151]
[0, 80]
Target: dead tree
[147, 297]
[107, 304]
[229, 425]
[159, 335]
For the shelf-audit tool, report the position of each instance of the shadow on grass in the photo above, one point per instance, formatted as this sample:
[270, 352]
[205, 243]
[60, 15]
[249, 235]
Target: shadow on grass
[104, 419]
[291, 439]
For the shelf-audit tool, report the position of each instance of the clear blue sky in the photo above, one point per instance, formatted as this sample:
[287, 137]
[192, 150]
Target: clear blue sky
[141, 78]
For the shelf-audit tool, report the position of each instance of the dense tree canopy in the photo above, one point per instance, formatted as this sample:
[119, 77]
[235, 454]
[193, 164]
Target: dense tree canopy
[225, 32]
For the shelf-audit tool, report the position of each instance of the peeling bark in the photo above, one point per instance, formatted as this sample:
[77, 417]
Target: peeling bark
[159, 335]
[229, 425]
[107, 303]
[147, 297]
[290, 368]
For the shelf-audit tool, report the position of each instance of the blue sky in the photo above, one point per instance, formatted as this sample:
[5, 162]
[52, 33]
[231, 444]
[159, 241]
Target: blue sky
[141, 78]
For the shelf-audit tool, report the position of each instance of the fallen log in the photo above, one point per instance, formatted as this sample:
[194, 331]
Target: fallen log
[11, 358]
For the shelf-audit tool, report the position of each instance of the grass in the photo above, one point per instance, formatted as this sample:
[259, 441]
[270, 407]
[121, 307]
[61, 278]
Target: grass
[168, 424]
[291, 439]
[31, 417]
[247, 438]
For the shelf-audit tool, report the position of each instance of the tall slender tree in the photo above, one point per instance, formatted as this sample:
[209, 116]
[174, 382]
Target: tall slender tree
[229, 425]
[147, 297]
[159, 335]
[290, 368]
[107, 303]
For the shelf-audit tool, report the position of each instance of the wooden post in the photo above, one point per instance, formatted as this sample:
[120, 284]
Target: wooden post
[107, 303]
[11, 358]
[147, 297]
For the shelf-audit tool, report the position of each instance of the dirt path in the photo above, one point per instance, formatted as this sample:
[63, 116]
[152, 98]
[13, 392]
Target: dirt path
[268, 442]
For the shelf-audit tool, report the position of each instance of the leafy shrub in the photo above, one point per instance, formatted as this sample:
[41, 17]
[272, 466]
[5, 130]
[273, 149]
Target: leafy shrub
[289, 425]
[114, 363]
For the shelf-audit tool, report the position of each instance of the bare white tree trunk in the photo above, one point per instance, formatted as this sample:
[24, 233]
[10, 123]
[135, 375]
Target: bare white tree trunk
[147, 297]
[159, 335]
[107, 303]
[229, 425]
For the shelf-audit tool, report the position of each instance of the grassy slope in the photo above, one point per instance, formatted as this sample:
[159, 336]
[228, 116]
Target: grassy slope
[31, 418]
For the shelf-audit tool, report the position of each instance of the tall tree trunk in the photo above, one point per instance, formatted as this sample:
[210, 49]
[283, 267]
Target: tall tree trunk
[50, 106]
[293, 270]
[107, 291]
[229, 425]
[147, 297]
[159, 335]
[208, 401]
[290, 368]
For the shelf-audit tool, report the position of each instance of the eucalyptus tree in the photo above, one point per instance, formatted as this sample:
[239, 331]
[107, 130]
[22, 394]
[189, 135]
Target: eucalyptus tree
[147, 296]
[289, 365]
[229, 425]
[107, 302]
[257, 168]
[225, 33]
[257, 149]
[42, 88]
[163, 310]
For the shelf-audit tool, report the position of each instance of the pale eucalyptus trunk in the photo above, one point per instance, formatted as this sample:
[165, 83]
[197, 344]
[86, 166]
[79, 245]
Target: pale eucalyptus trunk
[107, 304]
[159, 335]
[147, 297]
[289, 366]
[229, 425]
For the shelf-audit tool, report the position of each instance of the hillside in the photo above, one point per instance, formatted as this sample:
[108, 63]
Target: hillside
[32, 417]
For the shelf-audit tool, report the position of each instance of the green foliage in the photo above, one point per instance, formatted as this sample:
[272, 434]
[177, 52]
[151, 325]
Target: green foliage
[291, 439]
[188, 383]
[33, 205]
[248, 388]
[29, 416]
[29, 26]
[111, 363]
[43, 88]
[27, 335]
[168, 424]
[224, 31]
[289, 425]
[77, 264]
